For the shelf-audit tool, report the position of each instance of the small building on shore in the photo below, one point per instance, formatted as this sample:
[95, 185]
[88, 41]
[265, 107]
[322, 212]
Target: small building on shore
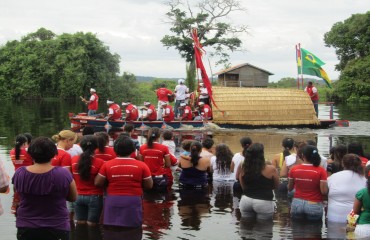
[243, 75]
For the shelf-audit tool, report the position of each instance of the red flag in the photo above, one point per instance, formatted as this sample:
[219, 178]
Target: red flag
[198, 51]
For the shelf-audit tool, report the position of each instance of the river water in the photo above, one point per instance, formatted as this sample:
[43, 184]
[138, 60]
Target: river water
[212, 214]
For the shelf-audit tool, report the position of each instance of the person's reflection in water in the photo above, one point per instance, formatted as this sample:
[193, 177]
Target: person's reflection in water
[83, 231]
[304, 229]
[122, 233]
[336, 230]
[157, 213]
[193, 205]
[250, 228]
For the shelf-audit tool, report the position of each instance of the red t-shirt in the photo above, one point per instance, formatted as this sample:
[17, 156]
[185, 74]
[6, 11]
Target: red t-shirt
[188, 114]
[154, 157]
[107, 155]
[93, 105]
[24, 158]
[87, 187]
[62, 159]
[170, 115]
[207, 110]
[307, 180]
[117, 112]
[153, 115]
[162, 94]
[125, 176]
[132, 113]
[363, 160]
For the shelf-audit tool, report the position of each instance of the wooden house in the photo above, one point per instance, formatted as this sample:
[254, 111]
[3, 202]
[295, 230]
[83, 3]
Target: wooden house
[243, 75]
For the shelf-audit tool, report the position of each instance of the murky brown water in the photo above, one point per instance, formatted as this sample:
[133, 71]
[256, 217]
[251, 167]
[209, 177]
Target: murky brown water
[212, 214]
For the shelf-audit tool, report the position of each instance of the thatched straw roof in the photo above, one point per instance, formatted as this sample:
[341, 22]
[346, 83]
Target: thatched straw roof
[263, 106]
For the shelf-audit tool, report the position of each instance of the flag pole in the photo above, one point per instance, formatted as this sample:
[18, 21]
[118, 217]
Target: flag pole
[300, 54]
[298, 65]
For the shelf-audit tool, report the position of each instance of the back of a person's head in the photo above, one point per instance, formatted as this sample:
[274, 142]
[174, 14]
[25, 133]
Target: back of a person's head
[124, 146]
[89, 143]
[254, 160]
[167, 135]
[356, 148]
[195, 149]
[245, 142]
[88, 131]
[208, 143]
[288, 143]
[103, 140]
[311, 154]
[128, 127]
[163, 85]
[311, 142]
[353, 162]
[339, 151]
[29, 137]
[42, 150]
[65, 134]
[255, 151]
[186, 145]
[20, 140]
[153, 134]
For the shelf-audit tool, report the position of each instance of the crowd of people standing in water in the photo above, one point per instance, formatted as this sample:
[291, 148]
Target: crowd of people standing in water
[100, 180]
[184, 109]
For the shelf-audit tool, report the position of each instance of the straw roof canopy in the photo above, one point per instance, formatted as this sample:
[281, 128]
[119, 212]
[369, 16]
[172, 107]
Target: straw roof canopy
[263, 106]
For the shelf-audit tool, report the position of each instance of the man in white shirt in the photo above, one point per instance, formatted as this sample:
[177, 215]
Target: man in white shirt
[180, 91]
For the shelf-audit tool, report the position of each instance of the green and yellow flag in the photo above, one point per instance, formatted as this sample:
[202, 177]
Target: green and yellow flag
[311, 65]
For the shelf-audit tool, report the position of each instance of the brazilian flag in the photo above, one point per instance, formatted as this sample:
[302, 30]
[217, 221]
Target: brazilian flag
[311, 65]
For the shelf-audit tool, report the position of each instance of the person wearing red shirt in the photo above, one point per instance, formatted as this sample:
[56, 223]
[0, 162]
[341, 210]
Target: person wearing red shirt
[168, 114]
[114, 111]
[310, 182]
[157, 158]
[65, 140]
[312, 92]
[104, 151]
[85, 167]
[132, 112]
[125, 178]
[187, 112]
[92, 103]
[20, 158]
[151, 114]
[205, 111]
[162, 95]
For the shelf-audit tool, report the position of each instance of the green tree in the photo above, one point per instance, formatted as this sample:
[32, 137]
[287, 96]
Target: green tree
[351, 40]
[287, 82]
[209, 17]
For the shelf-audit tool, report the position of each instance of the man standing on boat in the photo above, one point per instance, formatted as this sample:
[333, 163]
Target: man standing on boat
[162, 95]
[132, 112]
[114, 111]
[168, 114]
[92, 103]
[312, 92]
[151, 114]
[180, 91]
[203, 94]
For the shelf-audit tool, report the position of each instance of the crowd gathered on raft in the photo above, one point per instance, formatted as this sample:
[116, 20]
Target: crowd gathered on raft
[187, 106]
[99, 178]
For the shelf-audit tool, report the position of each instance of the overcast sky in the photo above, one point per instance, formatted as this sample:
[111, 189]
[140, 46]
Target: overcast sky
[133, 29]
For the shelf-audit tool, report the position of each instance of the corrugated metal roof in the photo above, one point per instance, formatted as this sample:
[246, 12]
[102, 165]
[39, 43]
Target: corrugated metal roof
[239, 66]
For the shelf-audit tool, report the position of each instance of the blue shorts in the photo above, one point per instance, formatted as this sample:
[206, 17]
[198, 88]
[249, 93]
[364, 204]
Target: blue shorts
[88, 208]
[303, 209]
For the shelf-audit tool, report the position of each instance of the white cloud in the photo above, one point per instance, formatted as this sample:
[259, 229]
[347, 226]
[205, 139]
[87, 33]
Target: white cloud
[133, 29]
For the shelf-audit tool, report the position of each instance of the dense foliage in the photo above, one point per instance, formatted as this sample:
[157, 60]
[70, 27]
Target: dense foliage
[43, 64]
[351, 40]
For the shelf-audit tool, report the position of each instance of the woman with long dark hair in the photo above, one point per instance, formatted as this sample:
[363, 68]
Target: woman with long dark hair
[335, 163]
[221, 163]
[104, 151]
[157, 157]
[343, 186]
[288, 149]
[258, 180]
[310, 182]
[85, 167]
[43, 190]
[194, 172]
[361, 207]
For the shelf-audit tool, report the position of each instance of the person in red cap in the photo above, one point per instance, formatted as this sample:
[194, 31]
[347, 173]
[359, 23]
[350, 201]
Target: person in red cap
[132, 112]
[92, 103]
[168, 114]
[114, 111]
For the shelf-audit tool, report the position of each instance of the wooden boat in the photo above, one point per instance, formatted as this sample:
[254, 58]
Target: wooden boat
[79, 121]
